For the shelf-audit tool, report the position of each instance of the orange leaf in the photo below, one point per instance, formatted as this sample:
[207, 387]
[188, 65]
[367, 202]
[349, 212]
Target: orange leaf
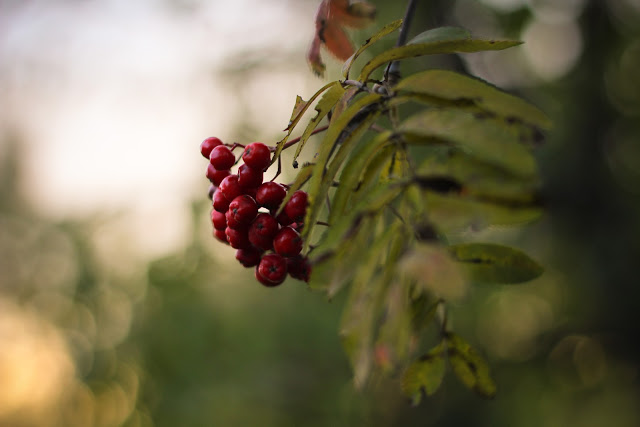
[331, 17]
[337, 42]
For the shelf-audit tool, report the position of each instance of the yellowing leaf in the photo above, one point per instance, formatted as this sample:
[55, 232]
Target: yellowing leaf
[424, 375]
[326, 103]
[299, 109]
[452, 86]
[488, 262]
[481, 138]
[464, 45]
[469, 366]
[387, 29]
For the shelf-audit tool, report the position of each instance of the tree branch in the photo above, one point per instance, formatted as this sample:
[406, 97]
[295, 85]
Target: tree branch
[392, 74]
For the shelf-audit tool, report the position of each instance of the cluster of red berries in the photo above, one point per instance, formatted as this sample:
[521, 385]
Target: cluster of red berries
[244, 213]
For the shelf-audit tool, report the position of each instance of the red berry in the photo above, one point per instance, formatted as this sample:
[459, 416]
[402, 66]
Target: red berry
[238, 239]
[250, 192]
[232, 223]
[296, 207]
[262, 279]
[282, 218]
[257, 156]
[222, 158]
[220, 235]
[220, 203]
[287, 242]
[249, 257]
[218, 220]
[230, 188]
[273, 268]
[270, 195]
[209, 144]
[249, 177]
[262, 231]
[243, 209]
[299, 268]
[212, 189]
[216, 176]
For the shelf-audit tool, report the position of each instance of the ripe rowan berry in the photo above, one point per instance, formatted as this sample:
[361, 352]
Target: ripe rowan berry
[220, 203]
[216, 176]
[220, 235]
[296, 207]
[209, 144]
[243, 209]
[238, 239]
[262, 279]
[262, 231]
[221, 158]
[249, 177]
[287, 242]
[257, 156]
[270, 195]
[250, 192]
[299, 267]
[230, 188]
[232, 223]
[282, 218]
[218, 220]
[249, 257]
[273, 269]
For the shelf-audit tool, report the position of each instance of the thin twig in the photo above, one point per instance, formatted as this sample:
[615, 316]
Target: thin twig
[357, 84]
[392, 74]
[294, 141]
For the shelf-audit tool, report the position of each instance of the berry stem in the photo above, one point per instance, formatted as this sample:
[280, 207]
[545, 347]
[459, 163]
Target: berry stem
[296, 140]
[279, 169]
[234, 146]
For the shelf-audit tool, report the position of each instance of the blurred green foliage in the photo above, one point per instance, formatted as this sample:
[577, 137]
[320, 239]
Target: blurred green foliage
[92, 337]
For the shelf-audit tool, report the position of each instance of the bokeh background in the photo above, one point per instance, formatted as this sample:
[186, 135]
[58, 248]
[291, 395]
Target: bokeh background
[117, 307]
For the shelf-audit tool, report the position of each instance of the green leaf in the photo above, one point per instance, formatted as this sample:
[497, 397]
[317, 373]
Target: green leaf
[343, 129]
[455, 87]
[301, 178]
[481, 138]
[370, 205]
[424, 375]
[465, 45]
[374, 168]
[326, 103]
[299, 109]
[423, 311]
[492, 263]
[333, 272]
[453, 212]
[441, 34]
[395, 331]
[350, 175]
[470, 368]
[477, 178]
[363, 307]
[386, 30]
[395, 335]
